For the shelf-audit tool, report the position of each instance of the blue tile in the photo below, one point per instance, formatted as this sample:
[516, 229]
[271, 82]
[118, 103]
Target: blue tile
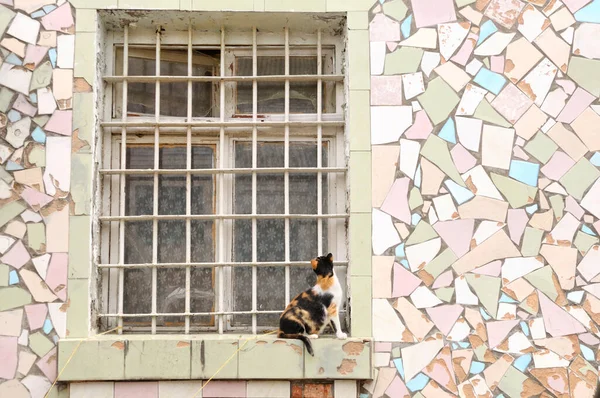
[415, 218]
[460, 194]
[418, 177]
[33, 97]
[489, 80]
[589, 13]
[52, 55]
[364, 394]
[507, 299]
[49, 8]
[12, 166]
[55, 338]
[13, 278]
[47, 326]
[476, 367]
[484, 314]
[487, 29]
[522, 362]
[404, 263]
[448, 132]
[14, 116]
[587, 230]
[38, 14]
[524, 327]
[595, 159]
[464, 344]
[405, 26]
[14, 59]
[417, 383]
[531, 209]
[588, 354]
[400, 250]
[576, 296]
[399, 366]
[526, 172]
[454, 346]
[38, 135]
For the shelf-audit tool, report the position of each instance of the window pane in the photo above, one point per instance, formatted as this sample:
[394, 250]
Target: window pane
[271, 95]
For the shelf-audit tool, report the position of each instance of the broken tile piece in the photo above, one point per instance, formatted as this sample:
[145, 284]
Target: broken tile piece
[438, 100]
[496, 147]
[586, 125]
[554, 48]
[556, 320]
[382, 117]
[511, 103]
[24, 28]
[495, 44]
[384, 233]
[432, 12]
[451, 36]
[521, 56]
[532, 22]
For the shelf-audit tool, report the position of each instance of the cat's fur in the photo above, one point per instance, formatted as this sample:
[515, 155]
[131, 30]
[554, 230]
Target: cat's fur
[312, 310]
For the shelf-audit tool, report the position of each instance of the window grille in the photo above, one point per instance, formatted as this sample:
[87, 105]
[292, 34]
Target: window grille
[223, 173]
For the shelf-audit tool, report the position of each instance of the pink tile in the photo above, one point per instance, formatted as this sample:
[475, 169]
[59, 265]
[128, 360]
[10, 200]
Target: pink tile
[397, 388]
[383, 347]
[60, 19]
[386, 90]
[575, 5]
[517, 221]
[497, 331]
[34, 198]
[136, 389]
[36, 315]
[589, 339]
[56, 277]
[573, 207]
[444, 316]
[17, 256]
[58, 165]
[48, 364]
[465, 51]
[445, 279]
[23, 106]
[462, 158]
[580, 100]
[224, 389]
[396, 201]
[433, 12]
[383, 28]
[405, 282]
[504, 12]
[511, 103]
[557, 166]
[57, 231]
[8, 357]
[498, 63]
[60, 122]
[442, 371]
[557, 321]
[457, 234]
[34, 55]
[421, 128]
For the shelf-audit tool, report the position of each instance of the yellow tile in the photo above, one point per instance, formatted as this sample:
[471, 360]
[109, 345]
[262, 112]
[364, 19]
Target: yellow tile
[358, 61]
[295, 5]
[360, 243]
[359, 120]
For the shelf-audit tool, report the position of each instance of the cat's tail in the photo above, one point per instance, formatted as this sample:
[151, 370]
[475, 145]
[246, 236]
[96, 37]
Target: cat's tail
[298, 336]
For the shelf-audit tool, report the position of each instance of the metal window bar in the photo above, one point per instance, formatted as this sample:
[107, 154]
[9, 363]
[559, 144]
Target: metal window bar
[216, 79]
[319, 147]
[262, 170]
[221, 198]
[220, 217]
[286, 162]
[188, 187]
[254, 182]
[155, 192]
[122, 180]
[211, 264]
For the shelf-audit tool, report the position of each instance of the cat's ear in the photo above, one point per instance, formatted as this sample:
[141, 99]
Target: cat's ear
[330, 257]
[314, 263]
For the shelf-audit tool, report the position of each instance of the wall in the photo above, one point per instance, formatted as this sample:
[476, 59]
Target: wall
[485, 198]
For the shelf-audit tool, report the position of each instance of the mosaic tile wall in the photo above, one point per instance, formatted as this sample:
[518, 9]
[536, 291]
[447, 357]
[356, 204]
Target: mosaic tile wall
[486, 197]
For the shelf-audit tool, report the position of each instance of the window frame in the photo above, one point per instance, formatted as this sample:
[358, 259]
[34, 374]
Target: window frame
[337, 200]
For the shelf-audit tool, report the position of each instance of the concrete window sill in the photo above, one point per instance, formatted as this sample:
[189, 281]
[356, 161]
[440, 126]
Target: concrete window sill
[183, 357]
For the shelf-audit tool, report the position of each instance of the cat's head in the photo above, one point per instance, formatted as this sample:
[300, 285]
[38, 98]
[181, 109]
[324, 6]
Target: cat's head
[323, 265]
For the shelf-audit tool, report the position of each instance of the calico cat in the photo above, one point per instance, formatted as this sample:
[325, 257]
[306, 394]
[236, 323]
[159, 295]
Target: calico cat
[308, 313]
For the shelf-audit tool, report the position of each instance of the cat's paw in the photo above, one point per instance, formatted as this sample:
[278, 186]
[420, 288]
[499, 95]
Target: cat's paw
[313, 336]
[341, 335]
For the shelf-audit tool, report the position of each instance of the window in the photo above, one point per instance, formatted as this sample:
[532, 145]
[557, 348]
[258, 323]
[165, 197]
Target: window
[223, 173]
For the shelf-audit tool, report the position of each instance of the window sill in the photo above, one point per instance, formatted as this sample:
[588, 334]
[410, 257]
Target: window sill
[181, 357]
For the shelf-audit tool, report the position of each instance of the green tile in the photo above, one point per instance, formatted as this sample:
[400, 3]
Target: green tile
[158, 359]
[294, 5]
[487, 289]
[225, 5]
[585, 73]
[403, 60]
[583, 242]
[42, 75]
[100, 4]
[185, 5]
[6, 15]
[81, 182]
[85, 56]
[13, 297]
[349, 5]
[359, 75]
[532, 241]
[359, 120]
[279, 359]
[78, 312]
[36, 235]
[436, 150]
[259, 5]
[438, 265]
[6, 97]
[86, 20]
[360, 181]
[358, 20]
[543, 279]
[359, 231]
[338, 359]
[579, 178]
[422, 233]
[558, 206]
[40, 344]
[4, 275]
[108, 359]
[10, 211]
[488, 114]
[5, 176]
[395, 9]
[514, 383]
[37, 156]
[360, 297]
[541, 147]
[84, 118]
[438, 100]
[79, 246]
[517, 193]
[209, 355]
[396, 352]
[444, 293]
[414, 198]
[149, 4]
[41, 120]
[461, 3]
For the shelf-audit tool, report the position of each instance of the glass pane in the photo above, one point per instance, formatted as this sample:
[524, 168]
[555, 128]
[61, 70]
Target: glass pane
[202, 295]
[271, 95]
[137, 296]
